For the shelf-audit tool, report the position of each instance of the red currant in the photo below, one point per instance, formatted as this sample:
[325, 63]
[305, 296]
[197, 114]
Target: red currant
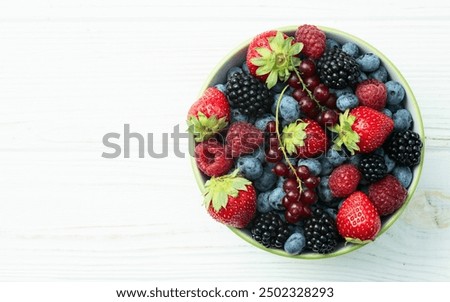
[293, 81]
[298, 94]
[321, 93]
[273, 142]
[312, 82]
[330, 117]
[331, 102]
[280, 169]
[271, 127]
[308, 107]
[307, 68]
[293, 195]
[291, 218]
[286, 202]
[290, 185]
[305, 211]
[273, 155]
[303, 172]
[311, 182]
[309, 197]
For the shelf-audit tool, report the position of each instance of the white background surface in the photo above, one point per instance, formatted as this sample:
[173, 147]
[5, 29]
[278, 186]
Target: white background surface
[71, 71]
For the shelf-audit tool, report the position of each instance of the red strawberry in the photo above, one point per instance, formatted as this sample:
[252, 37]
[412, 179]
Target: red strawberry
[209, 115]
[357, 219]
[243, 138]
[372, 93]
[344, 180]
[273, 55]
[305, 138]
[231, 200]
[313, 40]
[362, 129]
[212, 159]
[387, 195]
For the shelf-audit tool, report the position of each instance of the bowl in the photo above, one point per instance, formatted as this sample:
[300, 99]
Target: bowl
[237, 56]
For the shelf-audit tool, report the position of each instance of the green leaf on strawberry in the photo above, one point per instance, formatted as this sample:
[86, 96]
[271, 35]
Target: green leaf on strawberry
[346, 135]
[279, 61]
[293, 136]
[203, 127]
[218, 189]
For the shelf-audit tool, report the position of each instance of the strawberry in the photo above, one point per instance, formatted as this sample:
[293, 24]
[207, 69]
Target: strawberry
[387, 195]
[357, 219]
[272, 56]
[372, 93]
[230, 199]
[305, 138]
[243, 138]
[209, 115]
[362, 129]
[344, 180]
[212, 159]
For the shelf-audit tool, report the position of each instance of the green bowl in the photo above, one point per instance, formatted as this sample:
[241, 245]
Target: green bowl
[237, 56]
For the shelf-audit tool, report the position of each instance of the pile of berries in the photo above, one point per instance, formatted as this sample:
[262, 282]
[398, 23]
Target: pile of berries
[308, 152]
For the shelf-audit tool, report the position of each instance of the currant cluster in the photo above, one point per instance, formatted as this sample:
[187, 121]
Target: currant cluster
[322, 107]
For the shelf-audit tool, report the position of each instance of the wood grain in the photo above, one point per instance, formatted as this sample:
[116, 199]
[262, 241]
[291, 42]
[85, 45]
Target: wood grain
[71, 71]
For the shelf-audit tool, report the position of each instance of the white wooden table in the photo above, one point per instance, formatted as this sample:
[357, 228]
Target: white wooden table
[71, 71]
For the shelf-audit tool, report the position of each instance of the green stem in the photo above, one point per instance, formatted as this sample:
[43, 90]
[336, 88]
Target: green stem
[277, 124]
[304, 88]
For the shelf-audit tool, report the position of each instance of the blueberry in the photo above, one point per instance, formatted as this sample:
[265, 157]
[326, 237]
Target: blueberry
[324, 194]
[232, 71]
[362, 77]
[278, 87]
[313, 165]
[259, 154]
[330, 43]
[244, 68]
[275, 198]
[250, 167]
[292, 160]
[379, 151]
[368, 62]
[402, 120]
[261, 122]
[404, 175]
[332, 212]
[347, 101]
[289, 109]
[394, 108]
[339, 92]
[221, 87]
[380, 74]
[262, 203]
[237, 116]
[390, 164]
[327, 167]
[280, 182]
[387, 112]
[355, 159]
[266, 181]
[395, 93]
[336, 158]
[351, 49]
[295, 244]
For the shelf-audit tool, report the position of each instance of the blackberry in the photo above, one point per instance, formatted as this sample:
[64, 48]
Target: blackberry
[373, 167]
[249, 95]
[321, 233]
[337, 69]
[405, 148]
[269, 230]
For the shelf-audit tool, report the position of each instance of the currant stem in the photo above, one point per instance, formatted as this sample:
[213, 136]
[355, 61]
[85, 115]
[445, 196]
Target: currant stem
[277, 124]
[310, 94]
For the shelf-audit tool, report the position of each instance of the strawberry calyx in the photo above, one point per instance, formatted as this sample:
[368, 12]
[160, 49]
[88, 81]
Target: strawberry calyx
[218, 189]
[345, 134]
[294, 136]
[203, 127]
[278, 61]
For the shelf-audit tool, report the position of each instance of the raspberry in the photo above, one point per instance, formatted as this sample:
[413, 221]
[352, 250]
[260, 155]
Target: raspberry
[243, 138]
[387, 195]
[344, 180]
[313, 40]
[372, 93]
[211, 158]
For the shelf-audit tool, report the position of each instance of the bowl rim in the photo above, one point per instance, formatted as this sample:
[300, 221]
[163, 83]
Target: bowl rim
[417, 171]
